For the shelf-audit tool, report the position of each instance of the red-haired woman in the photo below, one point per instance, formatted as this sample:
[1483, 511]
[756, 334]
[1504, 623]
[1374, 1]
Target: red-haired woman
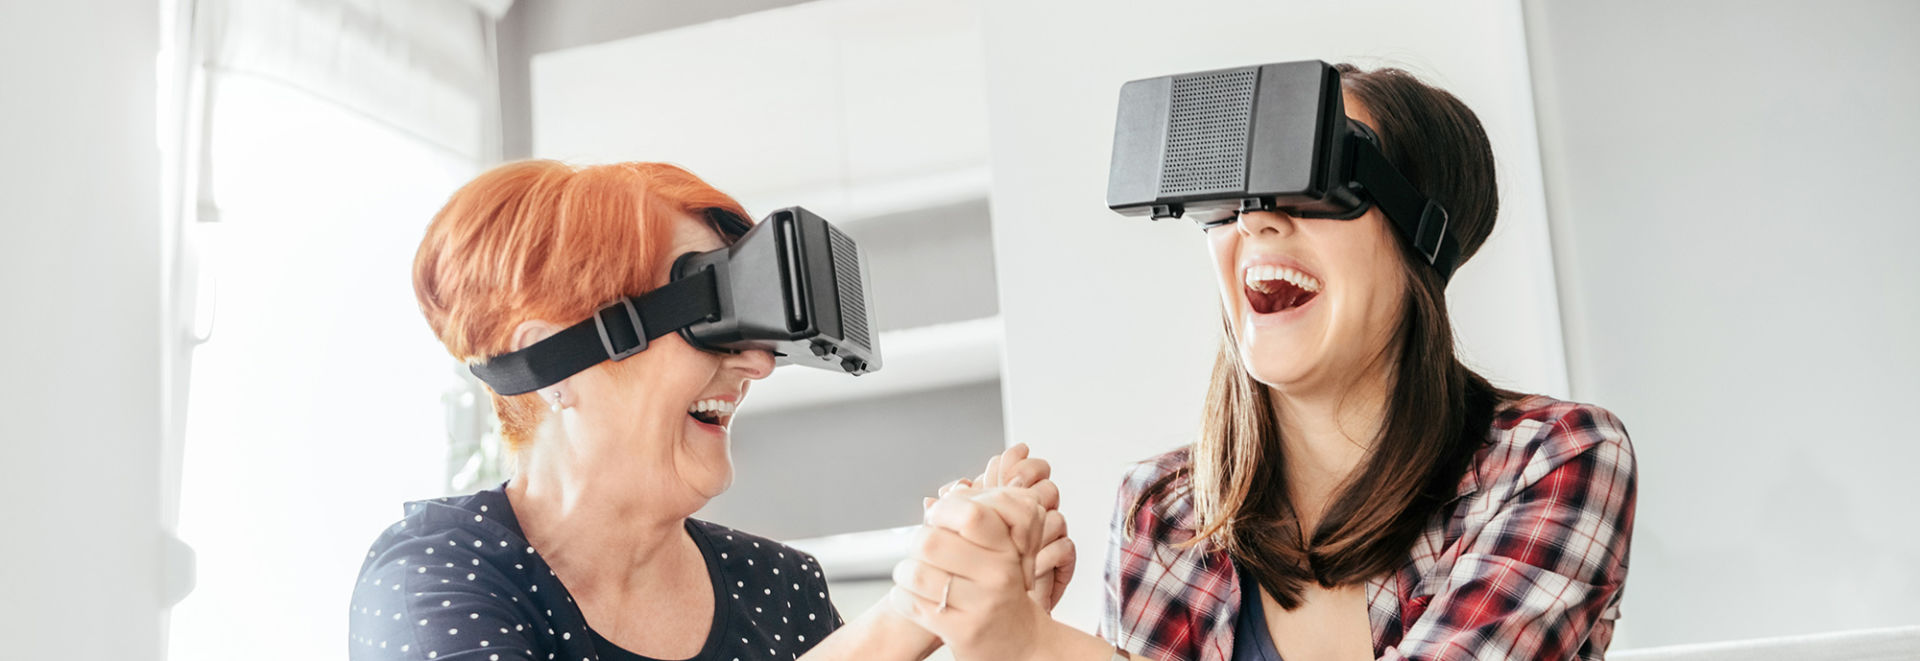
[589, 551]
[1355, 491]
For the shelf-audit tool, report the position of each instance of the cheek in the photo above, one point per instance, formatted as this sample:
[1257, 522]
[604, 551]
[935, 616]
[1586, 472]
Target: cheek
[1376, 277]
[667, 376]
[1223, 245]
[687, 368]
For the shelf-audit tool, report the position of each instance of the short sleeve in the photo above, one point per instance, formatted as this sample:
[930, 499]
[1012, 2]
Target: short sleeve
[1164, 599]
[437, 599]
[1542, 577]
[775, 603]
[821, 597]
[1112, 571]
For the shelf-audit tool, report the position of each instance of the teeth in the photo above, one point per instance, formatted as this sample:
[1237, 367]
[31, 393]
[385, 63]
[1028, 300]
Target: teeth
[725, 408]
[1258, 276]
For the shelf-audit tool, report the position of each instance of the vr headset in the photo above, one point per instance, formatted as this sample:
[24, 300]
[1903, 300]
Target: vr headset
[1212, 145]
[792, 285]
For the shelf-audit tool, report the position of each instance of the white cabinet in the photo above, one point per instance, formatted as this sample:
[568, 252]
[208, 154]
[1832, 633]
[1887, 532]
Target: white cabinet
[850, 107]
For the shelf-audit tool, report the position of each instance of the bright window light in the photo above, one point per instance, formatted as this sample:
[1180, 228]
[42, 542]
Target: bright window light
[315, 408]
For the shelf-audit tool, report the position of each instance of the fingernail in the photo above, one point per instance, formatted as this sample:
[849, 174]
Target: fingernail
[1018, 481]
[926, 503]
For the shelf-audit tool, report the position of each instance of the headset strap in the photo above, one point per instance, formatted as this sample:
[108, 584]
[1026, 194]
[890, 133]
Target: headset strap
[1421, 220]
[620, 329]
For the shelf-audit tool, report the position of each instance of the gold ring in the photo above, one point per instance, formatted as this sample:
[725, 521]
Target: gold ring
[943, 595]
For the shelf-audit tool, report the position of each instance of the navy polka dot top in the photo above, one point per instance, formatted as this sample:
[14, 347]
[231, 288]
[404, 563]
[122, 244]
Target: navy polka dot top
[456, 580]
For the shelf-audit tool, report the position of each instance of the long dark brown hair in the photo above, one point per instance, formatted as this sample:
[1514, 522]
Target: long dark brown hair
[1438, 413]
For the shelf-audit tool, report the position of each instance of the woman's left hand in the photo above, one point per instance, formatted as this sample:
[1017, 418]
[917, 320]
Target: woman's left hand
[1015, 467]
[1053, 565]
[969, 571]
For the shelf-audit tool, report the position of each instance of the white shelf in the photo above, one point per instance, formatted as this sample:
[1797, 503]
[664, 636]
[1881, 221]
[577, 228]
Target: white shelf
[912, 360]
[858, 203]
[858, 556]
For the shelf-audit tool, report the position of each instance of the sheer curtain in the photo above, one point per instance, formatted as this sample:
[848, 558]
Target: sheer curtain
[319, 138]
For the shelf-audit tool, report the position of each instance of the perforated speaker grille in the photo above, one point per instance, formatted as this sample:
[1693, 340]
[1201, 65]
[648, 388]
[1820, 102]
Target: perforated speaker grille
[1207, 133]
[846, 279]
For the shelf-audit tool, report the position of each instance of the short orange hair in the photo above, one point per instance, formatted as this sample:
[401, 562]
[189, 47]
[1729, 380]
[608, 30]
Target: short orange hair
[542, 239]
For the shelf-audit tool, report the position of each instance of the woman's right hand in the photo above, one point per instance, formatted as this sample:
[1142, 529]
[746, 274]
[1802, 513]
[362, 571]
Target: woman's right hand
[1054, 563]
[968, 573]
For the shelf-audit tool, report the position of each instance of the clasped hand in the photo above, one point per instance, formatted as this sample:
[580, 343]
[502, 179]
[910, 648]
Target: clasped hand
[992, 559]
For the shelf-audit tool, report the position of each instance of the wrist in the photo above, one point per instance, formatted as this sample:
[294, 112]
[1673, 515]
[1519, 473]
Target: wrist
[899, 636]
[1057, 641]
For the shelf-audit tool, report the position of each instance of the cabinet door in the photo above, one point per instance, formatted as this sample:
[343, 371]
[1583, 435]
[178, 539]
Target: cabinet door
[751, 105]
[839, 105]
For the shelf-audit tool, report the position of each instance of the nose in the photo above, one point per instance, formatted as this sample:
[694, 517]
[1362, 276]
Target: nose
[1265, 223]
[753, 363]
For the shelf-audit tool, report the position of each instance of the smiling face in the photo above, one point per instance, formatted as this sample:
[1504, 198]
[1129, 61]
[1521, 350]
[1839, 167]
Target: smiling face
[664, 412]
[1313, 302]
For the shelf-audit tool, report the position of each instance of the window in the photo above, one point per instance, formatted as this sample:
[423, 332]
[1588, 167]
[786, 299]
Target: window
[315, 405]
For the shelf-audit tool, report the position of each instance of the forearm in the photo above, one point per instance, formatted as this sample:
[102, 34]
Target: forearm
[1061, 641]
[878, 634]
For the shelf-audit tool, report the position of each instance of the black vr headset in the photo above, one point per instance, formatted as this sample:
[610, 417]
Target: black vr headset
[792, 285]
[1212, 145]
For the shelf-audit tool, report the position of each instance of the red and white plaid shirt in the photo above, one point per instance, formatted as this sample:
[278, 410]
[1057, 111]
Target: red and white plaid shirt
[1526, 563]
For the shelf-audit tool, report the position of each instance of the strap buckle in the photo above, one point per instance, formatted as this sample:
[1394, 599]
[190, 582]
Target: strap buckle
[1428, 236]
[606, 339]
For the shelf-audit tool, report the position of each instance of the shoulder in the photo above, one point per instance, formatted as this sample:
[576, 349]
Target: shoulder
[1165, 598]
[475, 529]
[762, 578]
[1535, 436]
[1155, 498]
[740, 550]
[760, 565]
[1554, 425]
[455, 573]
[1144, 474]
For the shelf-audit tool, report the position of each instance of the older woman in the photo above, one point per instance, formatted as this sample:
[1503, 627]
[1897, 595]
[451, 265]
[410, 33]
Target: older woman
[1355, 491]
[589, 551]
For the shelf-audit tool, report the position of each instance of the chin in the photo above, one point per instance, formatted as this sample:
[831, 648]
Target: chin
[712, 476]
[717, 485]
[707, 471]
[1279, 379]
[708, 478]
[1275, 366]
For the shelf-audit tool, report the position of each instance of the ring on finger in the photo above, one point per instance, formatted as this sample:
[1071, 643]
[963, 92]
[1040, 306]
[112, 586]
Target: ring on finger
[945, 590]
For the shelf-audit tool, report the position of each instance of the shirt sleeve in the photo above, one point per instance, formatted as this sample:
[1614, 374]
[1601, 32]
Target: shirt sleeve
[429, 599]
[1163, 600]
[1542, 576]
[1110, 607]
[823, 597]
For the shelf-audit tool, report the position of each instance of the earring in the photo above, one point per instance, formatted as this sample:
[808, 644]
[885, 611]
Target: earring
[557, 405]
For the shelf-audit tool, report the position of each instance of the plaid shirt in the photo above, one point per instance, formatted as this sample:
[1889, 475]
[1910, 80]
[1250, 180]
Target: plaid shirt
[1526, 563]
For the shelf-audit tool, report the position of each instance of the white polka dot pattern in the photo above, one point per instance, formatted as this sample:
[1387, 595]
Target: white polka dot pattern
[456, 580]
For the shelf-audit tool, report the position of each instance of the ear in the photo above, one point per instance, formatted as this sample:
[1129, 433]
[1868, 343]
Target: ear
[532, 331]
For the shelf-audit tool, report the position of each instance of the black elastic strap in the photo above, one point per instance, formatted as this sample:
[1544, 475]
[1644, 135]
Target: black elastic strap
[1421, 220]
[610, 334]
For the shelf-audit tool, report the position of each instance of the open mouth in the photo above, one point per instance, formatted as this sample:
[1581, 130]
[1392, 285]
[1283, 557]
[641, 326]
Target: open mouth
[1273, 289]
[716, 412]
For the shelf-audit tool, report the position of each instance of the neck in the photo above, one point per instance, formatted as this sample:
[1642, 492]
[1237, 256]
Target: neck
[1326, 435]
[594, 523]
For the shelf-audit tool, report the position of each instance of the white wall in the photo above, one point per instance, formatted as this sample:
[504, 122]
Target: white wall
[1734, 223]
[1112, 323]
[79, 286]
